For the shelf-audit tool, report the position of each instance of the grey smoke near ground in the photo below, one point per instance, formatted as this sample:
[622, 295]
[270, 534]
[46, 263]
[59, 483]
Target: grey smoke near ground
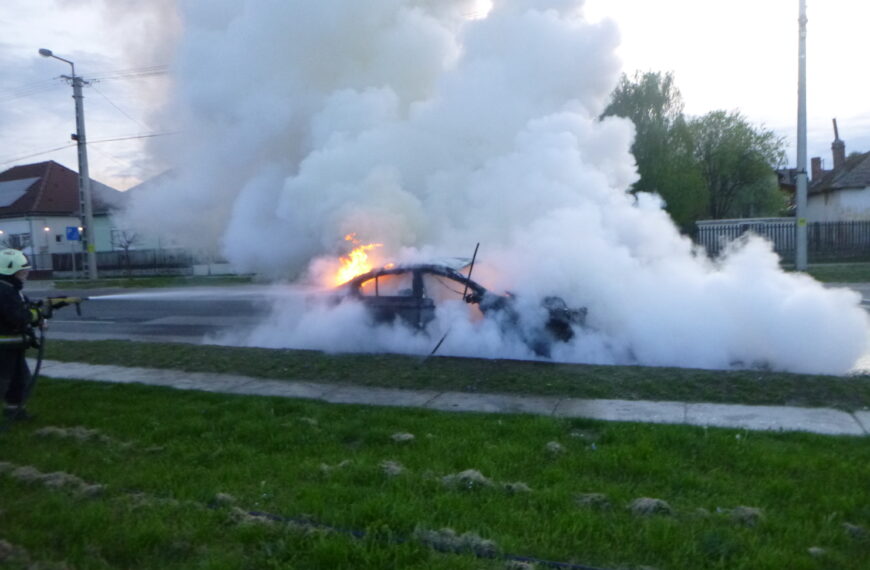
[428, 126]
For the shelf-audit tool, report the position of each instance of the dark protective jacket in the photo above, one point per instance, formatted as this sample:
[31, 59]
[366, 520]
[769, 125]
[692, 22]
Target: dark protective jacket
[16, 317]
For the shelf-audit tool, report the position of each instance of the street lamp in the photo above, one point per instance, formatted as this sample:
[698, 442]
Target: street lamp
[84, 176]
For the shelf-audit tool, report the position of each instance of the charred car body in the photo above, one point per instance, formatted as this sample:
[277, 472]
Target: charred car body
[410, 293]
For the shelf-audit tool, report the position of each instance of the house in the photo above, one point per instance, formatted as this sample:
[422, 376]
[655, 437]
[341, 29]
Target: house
[40, 211]
[838, 212]
[841, 194]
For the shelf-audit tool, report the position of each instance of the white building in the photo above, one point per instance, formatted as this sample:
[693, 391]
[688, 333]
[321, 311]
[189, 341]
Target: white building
[40, 212]
[841, 194]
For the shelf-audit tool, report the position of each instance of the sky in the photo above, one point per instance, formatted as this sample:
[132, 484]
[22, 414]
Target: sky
[737, 55]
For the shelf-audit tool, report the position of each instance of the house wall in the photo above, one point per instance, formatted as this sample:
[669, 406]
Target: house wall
[33, 229]
[103, 233]
[55, 239]
[17, 232]
[842, 205]
[12, 231]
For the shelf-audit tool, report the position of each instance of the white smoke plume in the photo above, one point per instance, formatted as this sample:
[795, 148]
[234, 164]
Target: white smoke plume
[430, 125]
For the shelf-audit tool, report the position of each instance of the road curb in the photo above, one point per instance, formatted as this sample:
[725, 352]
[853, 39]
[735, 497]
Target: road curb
[825, 421]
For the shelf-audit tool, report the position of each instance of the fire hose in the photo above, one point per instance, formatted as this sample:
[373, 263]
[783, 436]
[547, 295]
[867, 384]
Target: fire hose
[46, 308]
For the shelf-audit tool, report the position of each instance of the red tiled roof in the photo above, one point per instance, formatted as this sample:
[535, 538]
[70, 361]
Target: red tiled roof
[55, 191]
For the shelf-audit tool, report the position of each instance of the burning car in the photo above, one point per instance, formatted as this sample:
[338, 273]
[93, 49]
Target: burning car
[409, 293]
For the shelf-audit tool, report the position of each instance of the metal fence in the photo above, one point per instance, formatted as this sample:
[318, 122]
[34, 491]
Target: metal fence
[133, 259]
[826, 241]
[124, 263]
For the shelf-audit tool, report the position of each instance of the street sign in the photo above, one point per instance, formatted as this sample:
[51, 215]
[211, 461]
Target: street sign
[73, 234]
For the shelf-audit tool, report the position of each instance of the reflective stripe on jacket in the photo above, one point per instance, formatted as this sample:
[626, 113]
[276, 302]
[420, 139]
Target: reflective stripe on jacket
[14, 341]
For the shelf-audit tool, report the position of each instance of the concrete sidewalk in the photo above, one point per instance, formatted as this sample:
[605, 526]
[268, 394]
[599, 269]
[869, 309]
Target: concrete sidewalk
[780, 418]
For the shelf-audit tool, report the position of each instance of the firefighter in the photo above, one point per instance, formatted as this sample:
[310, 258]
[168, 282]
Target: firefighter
[18, 318]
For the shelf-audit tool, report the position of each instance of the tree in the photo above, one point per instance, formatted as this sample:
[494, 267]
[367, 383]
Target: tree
[125, 240]
[662, 147]
[737, 163]
[650, 100]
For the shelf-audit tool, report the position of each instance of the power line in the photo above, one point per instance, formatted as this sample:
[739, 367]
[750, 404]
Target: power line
[131, 75]
[110, 157]
[71, 145]
[143, 69]
[120, 110]
[34, 84]
[29, 89]
[146, 136]
[134, 74]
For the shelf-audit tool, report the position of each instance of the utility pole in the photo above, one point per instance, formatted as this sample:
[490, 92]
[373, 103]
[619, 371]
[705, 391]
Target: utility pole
[801, 189]
[85, 202]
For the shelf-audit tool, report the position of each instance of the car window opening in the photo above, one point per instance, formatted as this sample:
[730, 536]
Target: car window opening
[444, 284]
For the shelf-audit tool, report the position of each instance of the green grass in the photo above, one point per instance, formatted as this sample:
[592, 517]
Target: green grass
[840, 272]
[152, 282]
[164, 455]
[478, 375]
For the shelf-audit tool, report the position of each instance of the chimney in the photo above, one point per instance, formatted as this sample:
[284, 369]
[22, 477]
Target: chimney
[838, 149]
[816, 165]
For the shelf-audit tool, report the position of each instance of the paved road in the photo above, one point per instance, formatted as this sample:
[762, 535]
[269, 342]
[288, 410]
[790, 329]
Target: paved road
[190, 314]
[862, 288]
[168, 315]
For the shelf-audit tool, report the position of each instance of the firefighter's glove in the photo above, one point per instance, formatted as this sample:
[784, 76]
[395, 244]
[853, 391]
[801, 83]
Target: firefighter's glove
[37, 319]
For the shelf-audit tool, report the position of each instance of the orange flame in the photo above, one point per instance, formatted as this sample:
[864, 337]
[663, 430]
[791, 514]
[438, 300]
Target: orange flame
[356, 262]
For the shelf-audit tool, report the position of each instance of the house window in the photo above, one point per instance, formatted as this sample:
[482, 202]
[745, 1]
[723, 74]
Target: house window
[17, 241]
[57, 238]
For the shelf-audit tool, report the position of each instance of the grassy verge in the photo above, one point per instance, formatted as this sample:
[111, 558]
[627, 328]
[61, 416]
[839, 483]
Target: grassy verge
[158, 478]
[841, 272]
[152, 282]
[476, 375]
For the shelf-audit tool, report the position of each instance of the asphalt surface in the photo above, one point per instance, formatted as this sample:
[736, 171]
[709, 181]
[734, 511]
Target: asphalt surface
[862, 288]
[191, 315]
[157, 315]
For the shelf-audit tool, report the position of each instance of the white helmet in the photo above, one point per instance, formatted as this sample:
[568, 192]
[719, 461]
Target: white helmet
[12, 261]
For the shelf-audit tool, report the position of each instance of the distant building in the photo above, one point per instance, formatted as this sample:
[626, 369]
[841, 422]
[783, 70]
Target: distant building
[787, 178]
[841, 194]
[838, 212]
[40, 211]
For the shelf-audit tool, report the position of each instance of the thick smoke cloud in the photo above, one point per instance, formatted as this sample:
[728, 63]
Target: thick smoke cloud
[430, 125]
